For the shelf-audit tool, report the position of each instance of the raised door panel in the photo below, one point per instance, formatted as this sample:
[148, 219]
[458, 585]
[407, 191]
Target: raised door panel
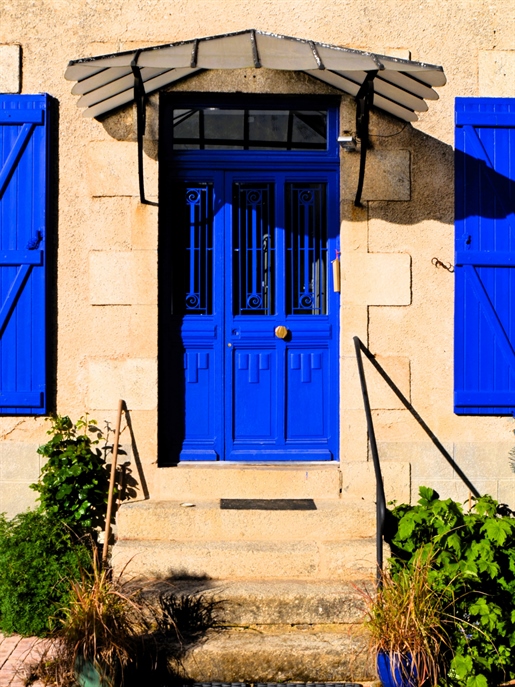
[307, 412]
[255, 396]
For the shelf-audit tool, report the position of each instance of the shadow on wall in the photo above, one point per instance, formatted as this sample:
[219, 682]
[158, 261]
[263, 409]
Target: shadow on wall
[131, 482]
[431, 174]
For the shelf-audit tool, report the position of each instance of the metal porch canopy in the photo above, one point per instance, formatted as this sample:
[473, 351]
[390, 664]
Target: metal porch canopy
[401, 87]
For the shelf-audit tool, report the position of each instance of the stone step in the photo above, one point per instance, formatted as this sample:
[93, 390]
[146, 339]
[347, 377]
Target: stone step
[236, 560]
[304, 655]
[188, 482]
[280, 602]
[333, 520]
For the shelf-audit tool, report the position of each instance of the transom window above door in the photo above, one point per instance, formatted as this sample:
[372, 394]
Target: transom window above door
[218, 128]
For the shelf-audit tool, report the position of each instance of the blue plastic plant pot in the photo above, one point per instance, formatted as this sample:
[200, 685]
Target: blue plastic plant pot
[396, 671]
[87, 674]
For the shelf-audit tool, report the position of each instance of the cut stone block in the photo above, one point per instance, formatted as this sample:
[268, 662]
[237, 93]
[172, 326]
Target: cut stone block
[123, 277]
[134, 380]
[387, 175]
[376, 278]
[113, 170]
[10, 68]
[496, 73]
[19, 461]
[381, 396]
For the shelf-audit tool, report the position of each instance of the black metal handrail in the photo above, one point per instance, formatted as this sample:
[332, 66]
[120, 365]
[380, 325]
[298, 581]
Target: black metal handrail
[380, 496]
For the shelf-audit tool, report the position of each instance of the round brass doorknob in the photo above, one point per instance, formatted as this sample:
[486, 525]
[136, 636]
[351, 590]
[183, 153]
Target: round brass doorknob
[281, 332]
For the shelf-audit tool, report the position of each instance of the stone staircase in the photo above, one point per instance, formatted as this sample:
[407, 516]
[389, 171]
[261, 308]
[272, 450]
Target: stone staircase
[286, 579]
[281, 631]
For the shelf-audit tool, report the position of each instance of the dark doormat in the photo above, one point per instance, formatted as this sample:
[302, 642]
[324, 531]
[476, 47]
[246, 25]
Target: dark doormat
[267, 504]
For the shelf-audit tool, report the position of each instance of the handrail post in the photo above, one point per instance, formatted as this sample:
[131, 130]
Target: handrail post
[380, 496]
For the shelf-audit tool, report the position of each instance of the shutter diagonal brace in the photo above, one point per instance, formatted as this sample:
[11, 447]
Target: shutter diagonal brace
[140, 98]
[14, 156]
[12, 297]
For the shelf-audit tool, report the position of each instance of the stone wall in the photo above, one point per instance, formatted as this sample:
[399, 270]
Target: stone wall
[393, 296]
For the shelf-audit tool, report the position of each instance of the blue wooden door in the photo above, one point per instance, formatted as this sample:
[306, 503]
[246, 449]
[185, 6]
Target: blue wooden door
[485, 257]
[280, 325]
[259, 317]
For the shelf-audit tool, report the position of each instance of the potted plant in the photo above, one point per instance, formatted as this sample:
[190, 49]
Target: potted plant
[101, 630]
[409, 620]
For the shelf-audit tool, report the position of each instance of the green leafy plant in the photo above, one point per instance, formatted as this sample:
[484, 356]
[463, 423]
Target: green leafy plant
[74, 480]
[38, 558]
[410, 619]
[473, 553]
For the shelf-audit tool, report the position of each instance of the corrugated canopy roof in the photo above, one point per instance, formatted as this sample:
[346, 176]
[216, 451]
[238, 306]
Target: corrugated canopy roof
[401, 87]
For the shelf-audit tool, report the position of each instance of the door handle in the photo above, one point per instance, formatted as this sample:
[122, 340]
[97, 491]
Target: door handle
[281, 332]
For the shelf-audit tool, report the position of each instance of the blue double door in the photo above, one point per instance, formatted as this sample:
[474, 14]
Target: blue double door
[255, 314]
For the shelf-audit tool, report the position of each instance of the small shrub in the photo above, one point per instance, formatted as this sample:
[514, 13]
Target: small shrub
[38, 558]
[474, 555]
[74, 481]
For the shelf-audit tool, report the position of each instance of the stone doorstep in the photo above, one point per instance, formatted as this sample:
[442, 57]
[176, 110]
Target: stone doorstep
[189, 481]
[205, 520]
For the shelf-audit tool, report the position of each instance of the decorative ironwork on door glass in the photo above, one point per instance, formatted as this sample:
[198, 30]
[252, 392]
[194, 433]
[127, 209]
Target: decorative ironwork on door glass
[253, 249]
[306, 249]
[198, 236]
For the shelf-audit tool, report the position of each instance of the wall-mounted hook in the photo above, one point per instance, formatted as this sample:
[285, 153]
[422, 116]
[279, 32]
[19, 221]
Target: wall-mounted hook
[447, 266]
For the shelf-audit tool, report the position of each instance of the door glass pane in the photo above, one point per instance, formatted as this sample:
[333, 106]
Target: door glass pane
[215, 128]
[306, 249]
[193, 267]
[287, 130]
[253, 235]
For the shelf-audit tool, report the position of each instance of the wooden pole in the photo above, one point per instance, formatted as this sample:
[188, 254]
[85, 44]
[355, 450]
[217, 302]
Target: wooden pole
[112, 480]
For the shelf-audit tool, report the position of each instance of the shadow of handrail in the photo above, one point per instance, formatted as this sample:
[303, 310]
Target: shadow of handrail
[380, 496]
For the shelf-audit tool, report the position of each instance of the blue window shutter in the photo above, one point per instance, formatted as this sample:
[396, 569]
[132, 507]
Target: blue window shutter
[24, 166]
[484, 347]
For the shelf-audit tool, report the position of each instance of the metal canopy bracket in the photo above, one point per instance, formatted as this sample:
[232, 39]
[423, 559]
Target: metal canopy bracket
[364, 101]
[140, 98]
